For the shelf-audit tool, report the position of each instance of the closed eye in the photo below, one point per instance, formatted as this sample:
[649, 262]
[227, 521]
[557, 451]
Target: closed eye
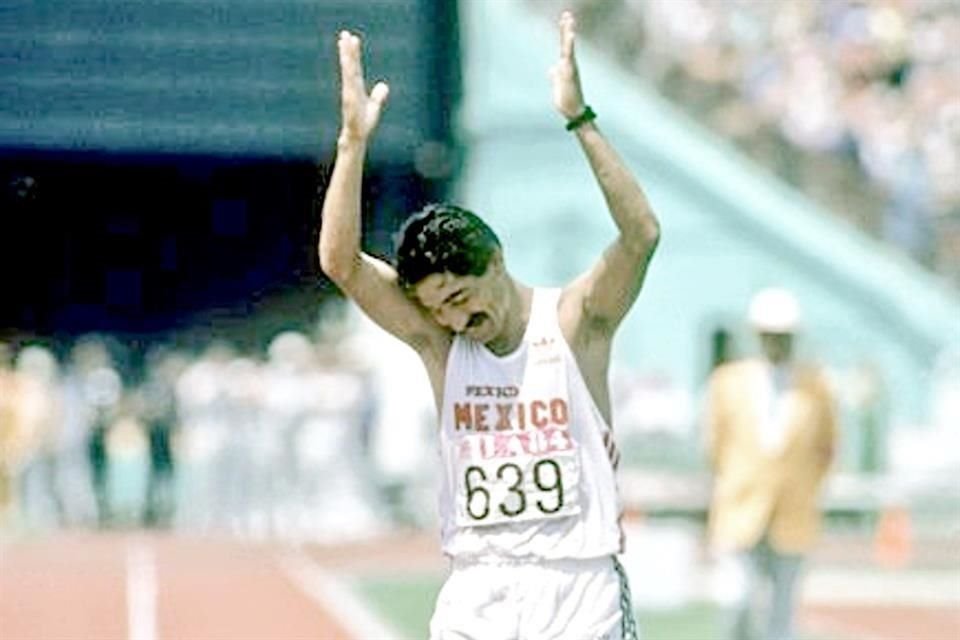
[456, 298]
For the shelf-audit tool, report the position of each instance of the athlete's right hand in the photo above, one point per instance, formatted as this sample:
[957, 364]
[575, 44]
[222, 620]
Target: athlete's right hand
[360, 112]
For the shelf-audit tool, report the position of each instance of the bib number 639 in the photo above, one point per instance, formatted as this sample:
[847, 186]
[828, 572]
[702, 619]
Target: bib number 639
[497, 491]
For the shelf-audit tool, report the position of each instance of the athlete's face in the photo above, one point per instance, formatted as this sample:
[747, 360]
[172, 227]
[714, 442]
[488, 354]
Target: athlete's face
[475, 306]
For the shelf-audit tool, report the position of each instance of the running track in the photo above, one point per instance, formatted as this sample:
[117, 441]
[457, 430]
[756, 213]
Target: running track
[140, 586]
[149, 587]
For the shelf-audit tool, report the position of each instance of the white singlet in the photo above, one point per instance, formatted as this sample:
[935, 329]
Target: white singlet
[526, 469]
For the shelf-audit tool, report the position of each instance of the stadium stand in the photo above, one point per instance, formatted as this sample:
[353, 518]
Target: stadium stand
[187, 134]
[854, 103]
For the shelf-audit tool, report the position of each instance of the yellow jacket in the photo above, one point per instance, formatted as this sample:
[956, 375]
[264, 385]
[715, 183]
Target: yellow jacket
[758, 490]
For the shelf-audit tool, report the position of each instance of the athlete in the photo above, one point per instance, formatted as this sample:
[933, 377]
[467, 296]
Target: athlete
[530, 513]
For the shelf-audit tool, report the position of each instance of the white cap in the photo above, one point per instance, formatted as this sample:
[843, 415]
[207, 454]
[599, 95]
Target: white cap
[774, 310]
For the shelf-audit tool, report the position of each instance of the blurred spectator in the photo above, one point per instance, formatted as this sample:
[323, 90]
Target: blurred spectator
[8, 434]
[867, 396]
[41, 418]
[290, 391]
[771, 434]
[338, 487]
[857, 103]
[158, 412]
[251, 456]
[94, 391]
[207, 405]
[403, 424]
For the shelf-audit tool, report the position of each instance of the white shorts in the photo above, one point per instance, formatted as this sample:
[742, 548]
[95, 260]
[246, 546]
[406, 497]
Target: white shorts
[535, 600]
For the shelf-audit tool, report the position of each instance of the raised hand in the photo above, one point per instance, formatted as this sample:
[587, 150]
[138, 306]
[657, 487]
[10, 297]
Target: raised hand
[567, 95]
[360, 112]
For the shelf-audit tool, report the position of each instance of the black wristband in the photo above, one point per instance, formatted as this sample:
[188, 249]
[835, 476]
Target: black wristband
[586, 116]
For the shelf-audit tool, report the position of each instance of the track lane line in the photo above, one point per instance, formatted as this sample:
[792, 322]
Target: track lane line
[141, 591]
[334, 595]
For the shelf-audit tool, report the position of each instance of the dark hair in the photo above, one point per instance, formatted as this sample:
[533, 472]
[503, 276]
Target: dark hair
[442, 238]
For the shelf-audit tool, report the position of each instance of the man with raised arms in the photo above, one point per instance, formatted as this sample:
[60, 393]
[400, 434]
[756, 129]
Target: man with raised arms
[529, 507]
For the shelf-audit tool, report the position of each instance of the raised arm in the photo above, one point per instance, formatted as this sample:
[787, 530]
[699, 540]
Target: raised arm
[370, 282]
[602, 296]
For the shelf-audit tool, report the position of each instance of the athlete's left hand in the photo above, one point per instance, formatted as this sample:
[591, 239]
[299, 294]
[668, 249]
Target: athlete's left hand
[567, 95]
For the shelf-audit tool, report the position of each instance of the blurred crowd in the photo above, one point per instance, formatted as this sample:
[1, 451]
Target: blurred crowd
[856, 102]
[326, 436]
[216, 439]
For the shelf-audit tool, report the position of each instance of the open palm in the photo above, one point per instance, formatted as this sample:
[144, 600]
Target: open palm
[567, 95]
[360, 110]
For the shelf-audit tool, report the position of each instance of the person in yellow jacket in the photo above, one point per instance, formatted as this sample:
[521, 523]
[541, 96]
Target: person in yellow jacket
[771, 431]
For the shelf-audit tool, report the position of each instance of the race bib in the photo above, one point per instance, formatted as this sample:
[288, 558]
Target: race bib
[516, 477]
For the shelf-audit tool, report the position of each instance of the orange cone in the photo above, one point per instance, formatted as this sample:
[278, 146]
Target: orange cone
[893, 541]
